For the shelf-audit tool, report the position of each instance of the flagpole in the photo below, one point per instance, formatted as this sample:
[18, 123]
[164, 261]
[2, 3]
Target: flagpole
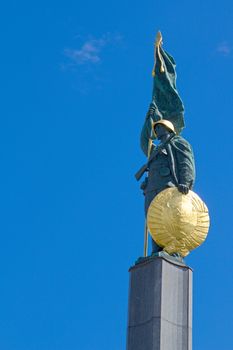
[158, 43]
[146, 232]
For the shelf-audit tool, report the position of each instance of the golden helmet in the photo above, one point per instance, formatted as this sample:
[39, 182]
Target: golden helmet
[166, 123]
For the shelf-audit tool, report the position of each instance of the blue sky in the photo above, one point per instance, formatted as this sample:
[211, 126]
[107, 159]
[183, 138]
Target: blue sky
[76, 84]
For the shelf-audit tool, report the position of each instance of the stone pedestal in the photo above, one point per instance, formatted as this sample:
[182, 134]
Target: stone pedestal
[160, 306]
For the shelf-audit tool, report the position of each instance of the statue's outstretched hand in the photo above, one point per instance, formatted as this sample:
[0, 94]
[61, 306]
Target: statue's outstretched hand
[183, 188]
[153, 112]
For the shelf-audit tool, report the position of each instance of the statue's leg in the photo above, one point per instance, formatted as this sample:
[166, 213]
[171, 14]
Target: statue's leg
[149, 196]
[155, 247]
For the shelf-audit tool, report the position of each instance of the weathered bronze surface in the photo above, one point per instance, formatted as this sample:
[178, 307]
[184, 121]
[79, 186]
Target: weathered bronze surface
[179, 223]
[170, 166]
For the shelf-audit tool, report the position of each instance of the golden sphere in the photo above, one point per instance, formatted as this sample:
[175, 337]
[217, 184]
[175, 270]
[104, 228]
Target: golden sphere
[177, 222]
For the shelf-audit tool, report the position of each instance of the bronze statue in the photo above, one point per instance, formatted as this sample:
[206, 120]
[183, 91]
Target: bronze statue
[170, 164]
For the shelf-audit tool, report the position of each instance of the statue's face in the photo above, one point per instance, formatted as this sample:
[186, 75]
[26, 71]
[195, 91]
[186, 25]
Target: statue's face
[161, 131]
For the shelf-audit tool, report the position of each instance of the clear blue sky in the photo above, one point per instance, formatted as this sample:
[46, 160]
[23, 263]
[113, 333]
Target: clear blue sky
[76, 84]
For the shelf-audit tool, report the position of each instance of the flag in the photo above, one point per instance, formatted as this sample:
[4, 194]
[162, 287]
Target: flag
[165, 95]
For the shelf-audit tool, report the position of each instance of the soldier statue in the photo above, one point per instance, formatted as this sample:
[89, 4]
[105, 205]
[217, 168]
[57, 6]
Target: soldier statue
[171, 162]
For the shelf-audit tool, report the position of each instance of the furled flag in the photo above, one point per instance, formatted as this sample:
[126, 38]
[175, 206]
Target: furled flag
[165, 95]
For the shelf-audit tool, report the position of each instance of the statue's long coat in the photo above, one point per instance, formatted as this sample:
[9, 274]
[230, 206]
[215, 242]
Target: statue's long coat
[172, 165]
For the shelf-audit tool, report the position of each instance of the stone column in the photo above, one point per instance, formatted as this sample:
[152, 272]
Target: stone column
[160, 306]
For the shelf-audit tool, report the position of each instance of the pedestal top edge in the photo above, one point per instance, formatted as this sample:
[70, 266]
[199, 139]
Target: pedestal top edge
[151, 260]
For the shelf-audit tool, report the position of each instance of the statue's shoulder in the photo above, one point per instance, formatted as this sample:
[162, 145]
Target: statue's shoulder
[177, 139]
[181, 143]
